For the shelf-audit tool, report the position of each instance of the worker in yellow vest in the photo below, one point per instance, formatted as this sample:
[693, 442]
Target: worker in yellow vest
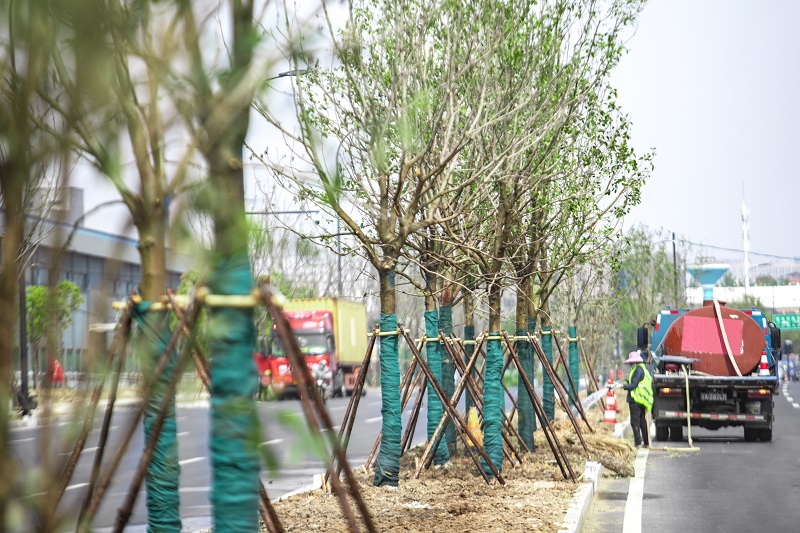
[640, 398]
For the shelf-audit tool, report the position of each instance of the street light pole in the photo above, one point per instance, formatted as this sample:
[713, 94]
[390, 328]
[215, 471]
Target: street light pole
[23, 337]
[339, 254]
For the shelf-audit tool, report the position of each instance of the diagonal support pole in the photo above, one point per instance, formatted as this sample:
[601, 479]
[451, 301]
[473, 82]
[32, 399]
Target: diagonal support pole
[560, 390]
[549, 433]
[461, 426]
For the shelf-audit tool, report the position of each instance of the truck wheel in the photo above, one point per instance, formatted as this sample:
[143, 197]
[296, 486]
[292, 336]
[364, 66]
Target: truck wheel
[765, 434]
[751, 434]
[662, 432]
[676, 433]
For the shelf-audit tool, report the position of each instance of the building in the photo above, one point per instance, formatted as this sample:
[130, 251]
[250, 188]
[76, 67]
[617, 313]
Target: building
[104, 266]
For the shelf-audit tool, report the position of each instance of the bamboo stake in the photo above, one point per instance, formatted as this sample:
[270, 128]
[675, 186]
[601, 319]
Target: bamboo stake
[559, 387]
[590, 371]
[575, 401]
[346, 429]
[405, 387]
[477, 403]
[461, 427]
[112, 398]
[547, 428]
[509, 449]
[309, 394]
[412, 422]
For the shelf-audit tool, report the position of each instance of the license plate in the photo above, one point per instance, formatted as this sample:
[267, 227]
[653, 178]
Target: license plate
[713, 396]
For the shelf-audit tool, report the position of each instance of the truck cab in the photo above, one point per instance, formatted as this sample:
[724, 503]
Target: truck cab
[314, 333]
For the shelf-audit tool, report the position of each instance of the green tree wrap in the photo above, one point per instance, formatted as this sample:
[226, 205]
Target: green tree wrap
[469, 335]
[526, 423]
[532, 331]
[448, 368]
[435, 410]
[493, 405]
[547, 385]
[161, 478]
[387, 469]
[234, 421]
[574, 362]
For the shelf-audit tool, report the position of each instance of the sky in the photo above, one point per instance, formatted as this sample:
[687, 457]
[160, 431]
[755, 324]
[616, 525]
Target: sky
[712, 87]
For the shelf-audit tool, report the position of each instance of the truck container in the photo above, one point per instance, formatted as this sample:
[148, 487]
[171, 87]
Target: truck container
[329, 329]
[699, 351]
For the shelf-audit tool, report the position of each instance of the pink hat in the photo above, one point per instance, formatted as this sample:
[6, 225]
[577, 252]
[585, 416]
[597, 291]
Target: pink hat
[634, 357]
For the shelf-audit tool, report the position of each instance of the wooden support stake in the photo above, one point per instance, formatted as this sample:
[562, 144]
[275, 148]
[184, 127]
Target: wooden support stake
[509, 449]
[559, 387]
[310, 398]
[549, 433]
[575, 401]
[461, 426]
[590, 371]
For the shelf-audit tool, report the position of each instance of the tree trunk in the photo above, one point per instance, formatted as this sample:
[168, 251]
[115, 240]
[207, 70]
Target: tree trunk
[11, 184]
[492, 387]
[469, 333]
[548, 400]
[163, 472]
[387, 469]
[448, 366]
[526, 422]
[434, 355]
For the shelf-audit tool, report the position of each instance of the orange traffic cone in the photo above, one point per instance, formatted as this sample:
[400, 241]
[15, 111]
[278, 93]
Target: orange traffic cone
[610, 415]
[763, 367]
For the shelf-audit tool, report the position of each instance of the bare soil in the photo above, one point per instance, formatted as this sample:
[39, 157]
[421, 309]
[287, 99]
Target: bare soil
[456, 498]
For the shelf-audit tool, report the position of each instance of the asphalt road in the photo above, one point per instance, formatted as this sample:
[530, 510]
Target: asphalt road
[284, 437]
[729, 486]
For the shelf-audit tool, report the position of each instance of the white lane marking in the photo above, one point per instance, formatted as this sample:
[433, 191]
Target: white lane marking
[89, 450]
[789, 399]
[796, 405]
[77, 486]
[270, 442]
[373, 420]
[633, 507]
[97, 430]
[190, 461]
[194, 489]
[23, 440]
[182, 434]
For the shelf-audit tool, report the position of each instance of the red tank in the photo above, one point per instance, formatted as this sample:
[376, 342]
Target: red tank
[697, 334]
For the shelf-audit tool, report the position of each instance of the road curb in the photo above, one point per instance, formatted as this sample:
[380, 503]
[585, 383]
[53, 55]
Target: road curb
[581, 503]
[582, 500]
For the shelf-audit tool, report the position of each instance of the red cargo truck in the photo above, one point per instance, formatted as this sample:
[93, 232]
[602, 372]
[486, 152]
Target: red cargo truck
[329, 329]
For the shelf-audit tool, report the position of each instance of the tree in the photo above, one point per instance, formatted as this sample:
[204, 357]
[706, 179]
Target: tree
[49, 312]
[31, 32]
[404, 103]
[765, 280]
[645, 280]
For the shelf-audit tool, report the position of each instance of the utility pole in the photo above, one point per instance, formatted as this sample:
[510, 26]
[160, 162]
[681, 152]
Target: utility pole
[675, 273]
[339, 254]
[746, 244]
[23, 338]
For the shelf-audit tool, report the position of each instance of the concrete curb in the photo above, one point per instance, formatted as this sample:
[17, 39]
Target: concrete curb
[582, 501]
[578, 509]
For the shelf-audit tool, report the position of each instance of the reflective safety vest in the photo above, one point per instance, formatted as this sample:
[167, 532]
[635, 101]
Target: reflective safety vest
[643, 393]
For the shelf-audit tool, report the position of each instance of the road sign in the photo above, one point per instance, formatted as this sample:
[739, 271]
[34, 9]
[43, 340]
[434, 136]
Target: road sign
[789, 321]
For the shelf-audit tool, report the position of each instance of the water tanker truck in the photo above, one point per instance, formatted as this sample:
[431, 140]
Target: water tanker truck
[715, 366]
[327, 329]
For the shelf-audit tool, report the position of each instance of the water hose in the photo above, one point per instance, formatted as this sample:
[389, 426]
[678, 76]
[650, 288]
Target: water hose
[691, 447]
